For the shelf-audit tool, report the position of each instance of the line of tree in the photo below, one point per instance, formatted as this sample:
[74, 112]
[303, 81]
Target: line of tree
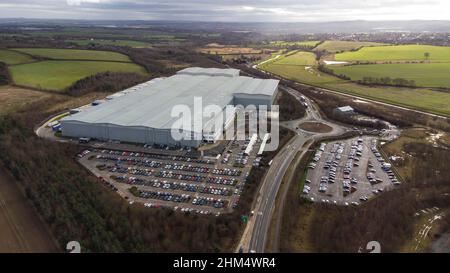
[399, 82]
[107, 82]
[368, 80]
[325, 69]
[244, 59]
[290, 107]
[4, 74]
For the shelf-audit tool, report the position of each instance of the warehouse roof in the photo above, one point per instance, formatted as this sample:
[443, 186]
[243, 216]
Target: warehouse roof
[210, 71]
[150, 104]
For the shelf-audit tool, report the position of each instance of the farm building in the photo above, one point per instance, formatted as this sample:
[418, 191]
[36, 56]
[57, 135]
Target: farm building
[143, 114]
[347, 110]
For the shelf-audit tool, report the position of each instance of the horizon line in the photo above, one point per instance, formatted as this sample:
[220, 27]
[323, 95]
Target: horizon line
[199, 21]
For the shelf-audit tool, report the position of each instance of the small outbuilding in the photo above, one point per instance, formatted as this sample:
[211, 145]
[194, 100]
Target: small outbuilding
[347, 110]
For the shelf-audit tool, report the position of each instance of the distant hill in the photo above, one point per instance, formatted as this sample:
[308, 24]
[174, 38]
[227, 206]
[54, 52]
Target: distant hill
[265, 27]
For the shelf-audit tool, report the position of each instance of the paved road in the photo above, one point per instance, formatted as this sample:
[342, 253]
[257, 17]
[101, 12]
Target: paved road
[362, 98]
[255, 235]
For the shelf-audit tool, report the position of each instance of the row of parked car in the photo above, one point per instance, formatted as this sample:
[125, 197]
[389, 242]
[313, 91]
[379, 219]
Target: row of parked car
[221, 180]
[385, 166]
[129, 180]
[192, 210]
[215, 191]
[83, 153]
[323, 185]
[171, 185]
[257, 162]
[179, 176]
[157, 156]
[354, 154]
[166, 196]
[130, 170]
[186, 168]
[226, 171]
[209, 201]
[332, 162]
[317, 156]
[240, 160]
[132, 161]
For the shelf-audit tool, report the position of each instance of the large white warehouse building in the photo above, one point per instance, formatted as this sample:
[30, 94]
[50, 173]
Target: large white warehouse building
[142, 114]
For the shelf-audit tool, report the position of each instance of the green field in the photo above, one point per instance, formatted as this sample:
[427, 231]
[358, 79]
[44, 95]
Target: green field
[11, 57]
[338, 46]
[297, 58]
[297, 43]
[397, 53]
[58, 75]
[75, 54]
[129, 43]
[426, 75]
[298, 66]
[300, 73]
[422, 99]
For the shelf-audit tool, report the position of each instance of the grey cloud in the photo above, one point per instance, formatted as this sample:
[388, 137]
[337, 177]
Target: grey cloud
[221, 10]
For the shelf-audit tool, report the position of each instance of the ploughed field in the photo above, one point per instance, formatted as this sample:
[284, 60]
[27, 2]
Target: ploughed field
[58, 69]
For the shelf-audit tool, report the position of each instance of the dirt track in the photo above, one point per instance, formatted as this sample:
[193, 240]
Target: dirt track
[21, 230]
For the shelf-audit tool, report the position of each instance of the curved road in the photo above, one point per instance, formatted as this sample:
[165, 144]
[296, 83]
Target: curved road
[360, 98]
[255, 235]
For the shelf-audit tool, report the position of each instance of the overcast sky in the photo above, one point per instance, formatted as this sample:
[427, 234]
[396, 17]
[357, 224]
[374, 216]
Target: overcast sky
[229, 10]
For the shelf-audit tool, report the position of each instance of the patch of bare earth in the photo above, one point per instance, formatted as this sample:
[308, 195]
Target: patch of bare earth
[21, 229]
[14, 98]
[316, 127]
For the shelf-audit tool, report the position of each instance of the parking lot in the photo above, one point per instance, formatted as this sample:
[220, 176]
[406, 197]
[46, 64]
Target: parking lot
[189, 184]
[348, 172]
